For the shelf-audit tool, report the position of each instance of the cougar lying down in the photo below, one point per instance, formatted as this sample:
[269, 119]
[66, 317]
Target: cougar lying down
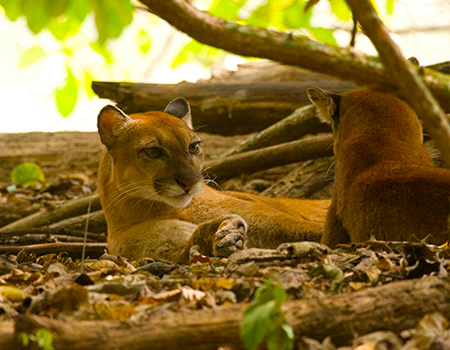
[155, 202]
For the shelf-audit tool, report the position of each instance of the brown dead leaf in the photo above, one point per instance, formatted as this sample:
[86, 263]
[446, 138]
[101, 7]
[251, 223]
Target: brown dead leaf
[13, 294]
[203, 284]
[369, 346]
[119, 310]
[69, 297]
[225, 283]
[102, 265]
[385, 264]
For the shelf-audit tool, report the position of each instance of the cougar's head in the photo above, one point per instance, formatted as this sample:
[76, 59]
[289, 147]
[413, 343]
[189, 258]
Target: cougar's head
[366, 112]
[155, 155]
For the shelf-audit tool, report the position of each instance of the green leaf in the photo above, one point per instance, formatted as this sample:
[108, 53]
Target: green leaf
[88, 84]
[227, 9]
[341, 10]
[111, 17]
[261, 16]
[13, 9]
[324, 35]
[56, 8]
[36, 14]
[103, 50]
[24, 338]
[256, 323]
[44, 339]
[390, 6]
[66, 97]
[27, 174]
[30, 56]
[265, 319]
[69, 23]
[144, 41]
[199, 52]
[294, 17]
[281, 337]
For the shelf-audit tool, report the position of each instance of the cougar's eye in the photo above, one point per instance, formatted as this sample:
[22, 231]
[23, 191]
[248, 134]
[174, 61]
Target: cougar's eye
[194, 148]
[151, 152]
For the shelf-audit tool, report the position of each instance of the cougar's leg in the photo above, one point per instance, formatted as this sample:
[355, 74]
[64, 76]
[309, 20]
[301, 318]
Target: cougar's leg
[221, 237]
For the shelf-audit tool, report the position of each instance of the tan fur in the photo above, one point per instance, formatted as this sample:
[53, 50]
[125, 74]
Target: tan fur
[386, 186]
[142, 223]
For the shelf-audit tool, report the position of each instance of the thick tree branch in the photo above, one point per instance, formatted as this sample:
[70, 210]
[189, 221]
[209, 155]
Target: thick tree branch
[50, 215]
[403, 74]
[285, 48]
[313, 147]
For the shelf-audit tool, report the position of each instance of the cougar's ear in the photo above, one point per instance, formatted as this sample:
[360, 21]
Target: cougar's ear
[180, 108]
[327, 104]
[109, 121]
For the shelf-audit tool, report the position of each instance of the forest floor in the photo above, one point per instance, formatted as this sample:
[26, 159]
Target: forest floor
[377, 295]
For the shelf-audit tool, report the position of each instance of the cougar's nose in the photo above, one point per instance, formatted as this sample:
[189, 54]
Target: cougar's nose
[187, 183]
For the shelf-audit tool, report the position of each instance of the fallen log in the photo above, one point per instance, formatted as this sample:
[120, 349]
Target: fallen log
[306, 181]
[93, 250]
[301, 122]
[220, 108]
[97, 223]
[313, 147]
[50, 215]
[56, 231]
[396, 306]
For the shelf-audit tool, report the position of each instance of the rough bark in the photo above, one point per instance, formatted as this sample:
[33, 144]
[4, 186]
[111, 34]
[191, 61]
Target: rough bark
[309, 180]
[313, 147]
[220, 107]
[301, 122]
[396, 306]
[403, 74]
[48, 216]
[286, 48]
[93, 250]
[97, 222]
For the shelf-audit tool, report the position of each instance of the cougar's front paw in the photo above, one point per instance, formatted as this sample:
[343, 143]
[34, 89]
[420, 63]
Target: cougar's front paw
[230, 236]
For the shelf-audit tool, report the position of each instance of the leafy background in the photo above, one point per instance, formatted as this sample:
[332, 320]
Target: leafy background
[68, 43]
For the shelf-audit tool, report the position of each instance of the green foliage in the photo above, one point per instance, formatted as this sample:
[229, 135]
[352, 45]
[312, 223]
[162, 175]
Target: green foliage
[341, 10]
[390, 6]
[64, 17]
[27, 174]
[265, 320]
[30, 56]
[43, 338]
[144, 41]
[202, 53]
[323, 34]
[66, 96]
[111, 17]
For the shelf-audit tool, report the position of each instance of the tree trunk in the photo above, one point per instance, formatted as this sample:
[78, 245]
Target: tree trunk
[220, 108]
[396, 306]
